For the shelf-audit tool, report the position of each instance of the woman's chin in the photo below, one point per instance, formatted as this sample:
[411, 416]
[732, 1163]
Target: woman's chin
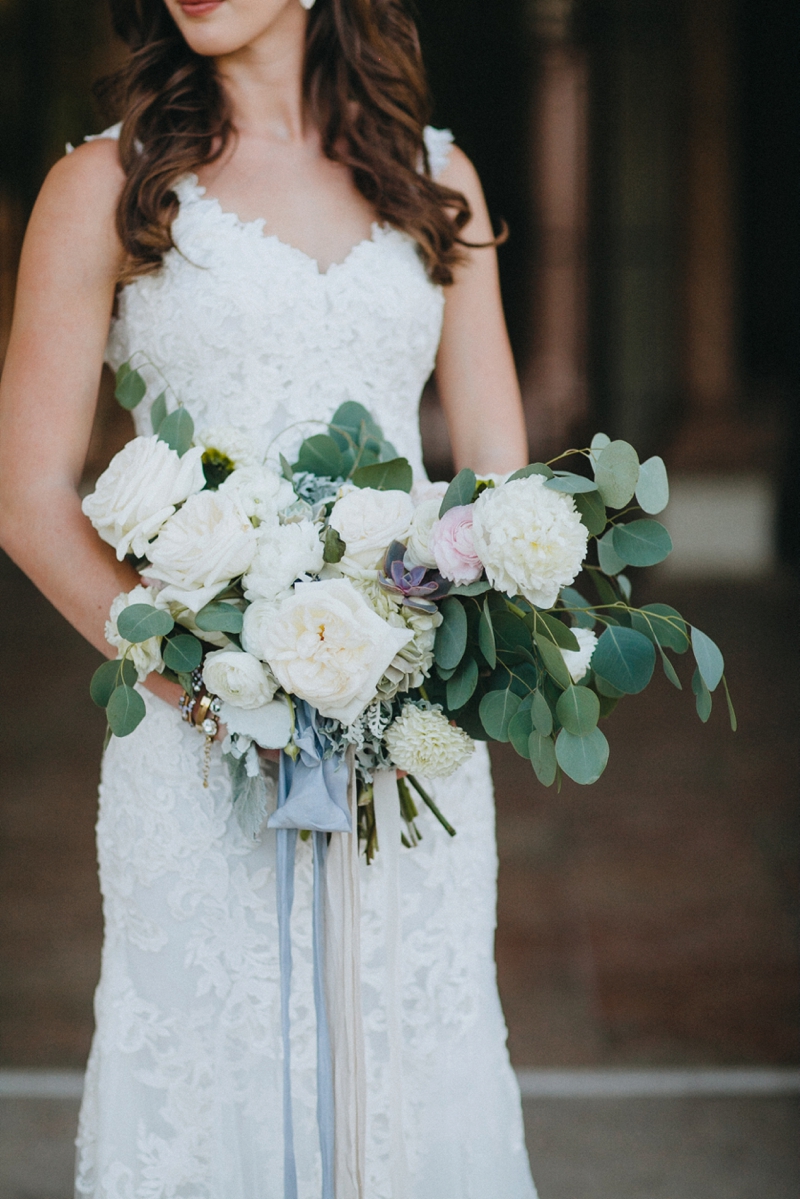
[216, 28]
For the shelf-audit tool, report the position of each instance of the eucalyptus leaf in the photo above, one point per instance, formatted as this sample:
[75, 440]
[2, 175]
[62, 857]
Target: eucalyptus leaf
[108, 676]
[624, 584]
[321, 456]
[130, 387]
[592, 511]
[570, 484]
[541, 714]
[605, 690]
[471, 588]
[663, 624]
[542, 753]
[460, 491]
[607, 705]
[461, 687]
[219, 617]
[183, 653]
[286, 468]
[729, 701]
[451, 635]
[558, 632]
[158, 412]
[140, 622]
[625, 658]
[554, 663]
[125, 711]
[573, 602]
[702, 696]
[535, 468]
[395, 475]
[520, 728]
[351, 424]
[486, 641]
[177, 429]
[669, 670]
[578, 709]
[709, 660]
[607, 556]
[583, 759]
[652, 489]
[642, 542]
[598, 443]
[496, 710]
[617, 473]
[446, 673]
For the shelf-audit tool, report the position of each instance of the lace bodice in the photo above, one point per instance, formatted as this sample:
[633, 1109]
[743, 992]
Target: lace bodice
[248, 331]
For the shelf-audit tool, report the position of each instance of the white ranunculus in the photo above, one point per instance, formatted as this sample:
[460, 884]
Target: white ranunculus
[423, 741]
[530, 539]
[205, 545]
[139, 491]
[261, 492]
[418, 551]
[238, 678]
[145, 655]
[578, 660]
[270, 726]
[228, 442]
[285, 553]
[368, 520]
[327, 646]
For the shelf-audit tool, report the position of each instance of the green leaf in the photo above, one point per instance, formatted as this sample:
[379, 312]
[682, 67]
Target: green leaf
[535, 468]
[624, 584]
[578, 709]
[663, 624]
[729, 701]
[605, 690]
[592, 511]
[583, 759]
[604, 589]
[669, 670]
[471, 588]
[511, 633]
[607, 556]
[177, 430]
[286, 469]
[520, 728]
[158, 411]
[617, 473]
[219, 617]
[334, 546]
[702, 696]
[451, 635]
[541, 714]
[607, 705]
[387, 451]
[321, 456]
[642, 542]
[558, 632]
[183, 653]
[131, 387]
[573, 601]
[351, 424]
[568, 483]
[710, 661]
[652, 489]
[486, 641]
[460, 491]
[140, 622]
[395, 475]
[461, 687]
[496, 711]
[598, 443]
[625, 658]
[108, 676]
[554, 664]
[542, 753]
[125, 711]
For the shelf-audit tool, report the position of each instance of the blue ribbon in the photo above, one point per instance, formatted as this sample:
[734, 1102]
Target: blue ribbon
[312, 794]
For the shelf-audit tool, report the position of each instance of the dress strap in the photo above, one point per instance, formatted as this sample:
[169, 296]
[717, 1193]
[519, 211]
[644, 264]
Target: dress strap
[438, 143]
[110, 134]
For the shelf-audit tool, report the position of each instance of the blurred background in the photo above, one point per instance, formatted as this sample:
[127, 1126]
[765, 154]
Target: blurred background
[644, 154]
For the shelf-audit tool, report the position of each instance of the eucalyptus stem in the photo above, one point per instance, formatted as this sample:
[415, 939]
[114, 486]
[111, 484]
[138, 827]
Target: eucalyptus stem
[426, 799]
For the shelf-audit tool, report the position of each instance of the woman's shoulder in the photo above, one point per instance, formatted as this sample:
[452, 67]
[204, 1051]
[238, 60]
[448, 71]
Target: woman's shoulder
[91, 172]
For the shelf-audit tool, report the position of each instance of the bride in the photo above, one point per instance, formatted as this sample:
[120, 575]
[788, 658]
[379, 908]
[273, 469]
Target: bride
[274, 231]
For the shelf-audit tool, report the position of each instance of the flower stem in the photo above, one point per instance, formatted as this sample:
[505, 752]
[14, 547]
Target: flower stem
[426, 799]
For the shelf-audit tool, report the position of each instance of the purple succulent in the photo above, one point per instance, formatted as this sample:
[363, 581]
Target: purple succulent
[417, 586]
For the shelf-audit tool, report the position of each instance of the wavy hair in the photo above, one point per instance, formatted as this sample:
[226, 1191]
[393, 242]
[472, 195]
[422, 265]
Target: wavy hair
[365, 87]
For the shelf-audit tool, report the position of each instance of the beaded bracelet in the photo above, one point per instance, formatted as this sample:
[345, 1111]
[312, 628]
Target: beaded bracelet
[201, 710]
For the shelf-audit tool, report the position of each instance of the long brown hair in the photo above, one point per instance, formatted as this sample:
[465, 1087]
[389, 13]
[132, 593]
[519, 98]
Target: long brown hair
[365, 87]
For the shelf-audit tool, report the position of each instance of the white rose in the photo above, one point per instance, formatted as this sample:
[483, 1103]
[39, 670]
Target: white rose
[284, 554]
[424, 490]
[327, 646]
[145, 655]
[238, 678]
[577, 660]
[258, 617]
[423, 741]
[139, 491]
[530, 539]
[228, 442]
[201, 548]
[368, 520]
[261, 492]
[425, 516]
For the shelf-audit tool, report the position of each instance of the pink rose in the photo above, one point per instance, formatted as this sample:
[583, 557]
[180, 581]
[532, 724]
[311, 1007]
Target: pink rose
[453, 547]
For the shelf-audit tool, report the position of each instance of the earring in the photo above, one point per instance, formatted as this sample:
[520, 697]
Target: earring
[307, 4]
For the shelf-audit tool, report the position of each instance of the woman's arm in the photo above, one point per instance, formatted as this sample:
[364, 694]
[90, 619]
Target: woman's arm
[475, 374]
[68, 271]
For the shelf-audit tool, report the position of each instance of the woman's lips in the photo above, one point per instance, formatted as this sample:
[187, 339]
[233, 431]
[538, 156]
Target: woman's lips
[199, 8]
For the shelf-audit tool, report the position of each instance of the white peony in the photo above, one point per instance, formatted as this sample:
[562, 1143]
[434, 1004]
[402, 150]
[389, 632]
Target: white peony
[225, 441]
[419, 552]
[578, 660]
[530, 539]
[139, 491]
[201, 548]
[326, 645]
[261, 492]
[368, 520]
[238, 678]
[145, 655]
[423, 741]
[284, 554]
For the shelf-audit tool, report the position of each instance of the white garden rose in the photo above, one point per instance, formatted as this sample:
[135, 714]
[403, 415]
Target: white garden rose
[139, 491]
[285, 553]
[424, 490]
[205, 545]
[368, 520]
[238, 678]
[145, 655]
[423, 741]
[418, 551]
[578, 661]
[327, 646]
[261, 492]
[530, 539]
[226, 441]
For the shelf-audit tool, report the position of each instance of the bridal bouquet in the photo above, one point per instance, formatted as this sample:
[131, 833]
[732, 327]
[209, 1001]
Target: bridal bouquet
[330, 604]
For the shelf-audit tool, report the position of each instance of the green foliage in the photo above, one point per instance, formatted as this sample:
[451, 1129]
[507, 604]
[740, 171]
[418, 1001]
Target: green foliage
[607, 556]
[652, 488]
[669, 670]
[352, 426]
[583, 759]
[561, 634]
[333, 546]
[177, 430]
[451, 635]
[158, 412]
[125, 711]
[496, 711]
[320, 455]
[570, 484]
[140, 622]
[219, 617]
[535, 468]
[702, 696]
[663, 624]
[598, 443]
[729, 701]
[709, 660]
[578, 709]
[641, 543]
[130, 387]
[471, 589]
[541, 714]
[520, 728]
[617, 473]
[395, 475]
[573, 601]
[108, 676]
[542, 753]
[592, 511]
[183, 653]
[461, 686]
[624, 658]
[486, 641]
[460, 491]
[553, 662]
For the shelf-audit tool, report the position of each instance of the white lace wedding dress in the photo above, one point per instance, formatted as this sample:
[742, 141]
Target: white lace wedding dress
[183, 1089]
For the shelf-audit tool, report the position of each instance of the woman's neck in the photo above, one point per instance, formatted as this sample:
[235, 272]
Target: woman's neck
[264, 81]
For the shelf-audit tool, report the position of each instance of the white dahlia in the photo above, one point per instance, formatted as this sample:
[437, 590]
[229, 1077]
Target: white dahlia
[530, 539]
[422, 741]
